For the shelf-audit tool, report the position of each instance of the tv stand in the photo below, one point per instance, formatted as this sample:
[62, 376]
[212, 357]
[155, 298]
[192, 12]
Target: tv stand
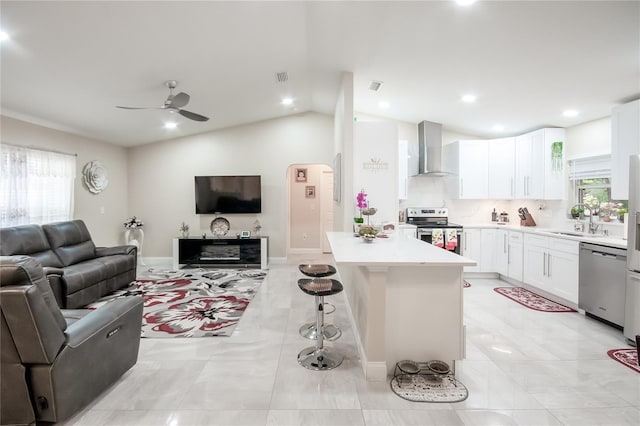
[221, 252]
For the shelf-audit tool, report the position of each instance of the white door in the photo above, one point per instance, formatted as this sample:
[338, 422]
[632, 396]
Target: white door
[535, 183]
[501, 260]
[515, 251]
[474, 175]
[554, 164]
[502, 166]
[472, 247]
[535, 266]
[562, 271]
[523, 165]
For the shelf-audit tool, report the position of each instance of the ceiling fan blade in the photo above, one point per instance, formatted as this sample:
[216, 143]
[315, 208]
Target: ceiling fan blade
[126, 107]
[192, 115]
[179, 100]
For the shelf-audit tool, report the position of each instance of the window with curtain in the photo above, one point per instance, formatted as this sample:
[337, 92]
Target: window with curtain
[36, 186]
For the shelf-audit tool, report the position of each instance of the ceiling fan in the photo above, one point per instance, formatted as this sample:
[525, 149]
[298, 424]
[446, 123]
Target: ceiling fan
[174, 103]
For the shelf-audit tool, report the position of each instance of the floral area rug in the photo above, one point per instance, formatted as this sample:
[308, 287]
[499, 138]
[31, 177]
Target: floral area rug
[626, 357]
[191, 303]
[532, 300]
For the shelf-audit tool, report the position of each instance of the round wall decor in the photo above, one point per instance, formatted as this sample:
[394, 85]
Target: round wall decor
[95, 176]
[219, 226]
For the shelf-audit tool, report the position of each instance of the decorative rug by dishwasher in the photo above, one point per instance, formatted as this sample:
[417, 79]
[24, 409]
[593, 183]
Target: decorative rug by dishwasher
[532, 300]
[626, 357]
[193, 302]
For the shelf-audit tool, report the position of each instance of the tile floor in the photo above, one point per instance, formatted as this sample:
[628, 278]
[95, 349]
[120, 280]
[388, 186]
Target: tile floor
[523, 367]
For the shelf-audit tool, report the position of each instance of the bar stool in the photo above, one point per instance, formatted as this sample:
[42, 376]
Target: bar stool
[309, 330]
[318, 357]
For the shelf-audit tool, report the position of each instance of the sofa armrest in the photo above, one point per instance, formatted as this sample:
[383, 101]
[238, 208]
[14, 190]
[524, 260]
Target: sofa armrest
[54, 277]
[105, 321]
[110, 251]
[50, 270]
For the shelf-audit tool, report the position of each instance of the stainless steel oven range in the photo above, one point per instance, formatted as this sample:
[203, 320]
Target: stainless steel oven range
[430, 219]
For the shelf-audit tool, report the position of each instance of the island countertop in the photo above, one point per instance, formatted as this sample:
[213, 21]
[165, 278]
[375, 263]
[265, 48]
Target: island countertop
[397, 249]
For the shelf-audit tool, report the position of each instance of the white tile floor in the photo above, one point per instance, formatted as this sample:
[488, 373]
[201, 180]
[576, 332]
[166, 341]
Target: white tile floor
[523, 367]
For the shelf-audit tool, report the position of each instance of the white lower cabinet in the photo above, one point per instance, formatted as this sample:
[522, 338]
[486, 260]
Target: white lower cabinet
[551, 264]
[515, 255]
[472, 248]
[487, 255]
[508, 254]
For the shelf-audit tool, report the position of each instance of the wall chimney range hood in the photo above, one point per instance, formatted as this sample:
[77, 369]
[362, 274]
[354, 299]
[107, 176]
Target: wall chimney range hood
[429, 151]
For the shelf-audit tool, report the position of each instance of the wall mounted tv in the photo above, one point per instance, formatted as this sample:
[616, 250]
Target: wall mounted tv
[228, 194]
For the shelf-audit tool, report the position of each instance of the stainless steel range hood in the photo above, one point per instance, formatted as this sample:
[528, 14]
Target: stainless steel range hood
[429, 151]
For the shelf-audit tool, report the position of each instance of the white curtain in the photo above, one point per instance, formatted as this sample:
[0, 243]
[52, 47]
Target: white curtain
[36, 186]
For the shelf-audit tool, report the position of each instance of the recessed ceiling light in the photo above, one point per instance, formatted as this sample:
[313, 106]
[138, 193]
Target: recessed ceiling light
[4, 36]
[498, 128]
[465, 2]
[570, 113]
[287, 101]
[170, 125]
[384, 104]
[469, 98]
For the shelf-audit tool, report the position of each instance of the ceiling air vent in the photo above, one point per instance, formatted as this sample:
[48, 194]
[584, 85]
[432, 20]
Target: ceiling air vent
[375, 85]
[281, 77]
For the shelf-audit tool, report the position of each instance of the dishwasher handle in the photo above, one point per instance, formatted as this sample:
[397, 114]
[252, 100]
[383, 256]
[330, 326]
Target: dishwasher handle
[599, 253]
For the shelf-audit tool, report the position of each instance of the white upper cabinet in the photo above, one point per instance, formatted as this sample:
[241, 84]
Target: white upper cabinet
[540, 165]
[625, 141]
[467, 161]
[502, 168]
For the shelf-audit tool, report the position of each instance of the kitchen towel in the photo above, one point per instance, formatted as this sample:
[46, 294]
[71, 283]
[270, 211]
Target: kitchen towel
[437, 238]
[452, 239]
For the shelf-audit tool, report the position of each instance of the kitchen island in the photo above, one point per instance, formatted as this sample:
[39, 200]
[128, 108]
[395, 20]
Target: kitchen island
[405, 298]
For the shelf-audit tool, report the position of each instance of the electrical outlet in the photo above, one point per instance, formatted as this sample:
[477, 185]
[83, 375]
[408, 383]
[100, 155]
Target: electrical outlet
[304, 235]
[101, 209]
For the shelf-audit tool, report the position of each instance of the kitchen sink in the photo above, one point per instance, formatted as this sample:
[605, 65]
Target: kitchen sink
[575, 234]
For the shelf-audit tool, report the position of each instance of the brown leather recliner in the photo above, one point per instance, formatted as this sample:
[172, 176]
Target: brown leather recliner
[54, 366]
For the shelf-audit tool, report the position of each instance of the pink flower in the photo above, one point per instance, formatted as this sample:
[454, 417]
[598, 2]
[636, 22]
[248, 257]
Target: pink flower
[362, 200]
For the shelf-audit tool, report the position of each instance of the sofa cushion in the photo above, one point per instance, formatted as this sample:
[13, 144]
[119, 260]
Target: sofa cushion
[83, 275]
[70, 241]
[28, 240]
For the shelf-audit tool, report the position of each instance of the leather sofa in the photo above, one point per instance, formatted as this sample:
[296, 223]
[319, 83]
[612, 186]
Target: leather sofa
[79, 272]
[55, 362]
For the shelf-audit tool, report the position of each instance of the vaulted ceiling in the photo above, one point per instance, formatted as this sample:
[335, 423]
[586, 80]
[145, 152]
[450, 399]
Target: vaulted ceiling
[68, 64]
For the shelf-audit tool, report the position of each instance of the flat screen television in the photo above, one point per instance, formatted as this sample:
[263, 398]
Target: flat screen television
[228, 194]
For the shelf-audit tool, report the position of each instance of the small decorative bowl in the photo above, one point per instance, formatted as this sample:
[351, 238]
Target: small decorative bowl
[369, 238]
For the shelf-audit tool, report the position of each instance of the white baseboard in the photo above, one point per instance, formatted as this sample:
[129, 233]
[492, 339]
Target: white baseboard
[305, 250]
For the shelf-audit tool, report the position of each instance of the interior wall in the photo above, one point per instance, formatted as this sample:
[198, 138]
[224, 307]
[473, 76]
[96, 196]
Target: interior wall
[104, 213]
[343, 145]
[305, 210]
[161, 187]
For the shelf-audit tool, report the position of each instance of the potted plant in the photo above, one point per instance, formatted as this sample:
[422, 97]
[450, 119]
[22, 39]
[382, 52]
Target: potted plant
[621, 212]
[577, 212]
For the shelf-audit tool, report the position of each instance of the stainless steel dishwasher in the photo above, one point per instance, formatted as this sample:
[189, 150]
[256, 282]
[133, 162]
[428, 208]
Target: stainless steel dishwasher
[602, 282]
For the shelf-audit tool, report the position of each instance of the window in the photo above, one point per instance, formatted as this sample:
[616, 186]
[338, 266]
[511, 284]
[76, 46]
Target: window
[597, 192]
[36, 186]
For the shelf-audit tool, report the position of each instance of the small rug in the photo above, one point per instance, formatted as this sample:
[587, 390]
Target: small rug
[626, 357]
[191, 303]
[467, 284]
[532, 300]
[427, 388]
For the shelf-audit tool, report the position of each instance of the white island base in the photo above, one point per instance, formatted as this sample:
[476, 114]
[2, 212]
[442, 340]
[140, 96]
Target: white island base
[405, 298]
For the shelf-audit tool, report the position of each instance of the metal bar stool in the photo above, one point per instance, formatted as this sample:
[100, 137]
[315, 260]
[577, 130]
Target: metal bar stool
[318, 357]
[309, 330]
